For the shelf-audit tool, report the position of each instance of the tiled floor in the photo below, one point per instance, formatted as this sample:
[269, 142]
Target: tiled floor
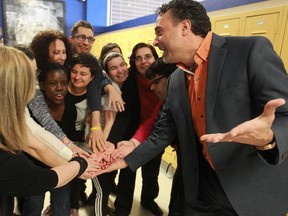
[165, 182]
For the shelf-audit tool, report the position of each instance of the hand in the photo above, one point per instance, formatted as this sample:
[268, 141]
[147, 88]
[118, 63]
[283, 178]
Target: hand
[115, 99]
[78, 151]
[256, 132]
[104, 158]
[97, 141]
[115, 165]
[123, 149]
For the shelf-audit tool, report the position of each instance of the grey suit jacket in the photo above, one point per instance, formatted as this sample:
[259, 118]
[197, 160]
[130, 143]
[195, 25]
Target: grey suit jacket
[243, 74]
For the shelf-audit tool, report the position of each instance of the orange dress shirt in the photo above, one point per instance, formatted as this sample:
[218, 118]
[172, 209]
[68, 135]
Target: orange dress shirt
[197, 91]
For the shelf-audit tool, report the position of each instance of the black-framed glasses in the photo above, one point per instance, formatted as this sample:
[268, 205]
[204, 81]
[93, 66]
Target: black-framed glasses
[156, 81]
[82, 38]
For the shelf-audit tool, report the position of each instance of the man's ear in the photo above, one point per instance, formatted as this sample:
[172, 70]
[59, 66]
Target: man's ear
[70, 39]
[186, 27]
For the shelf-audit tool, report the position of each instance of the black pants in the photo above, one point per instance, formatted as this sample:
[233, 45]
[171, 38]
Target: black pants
[212, 199]
[150, 186]
[125, 192]
[6, 206]
[176, 204]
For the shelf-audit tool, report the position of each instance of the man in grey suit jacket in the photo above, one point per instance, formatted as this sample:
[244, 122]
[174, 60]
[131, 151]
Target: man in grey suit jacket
[245, 91]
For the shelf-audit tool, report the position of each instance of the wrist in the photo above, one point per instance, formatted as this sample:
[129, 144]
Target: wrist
[133, 143]
[268, 146]
[98, 128]
[83, 165]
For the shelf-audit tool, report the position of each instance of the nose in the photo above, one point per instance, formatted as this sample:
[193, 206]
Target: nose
[155, 42]
[86, 41]
[63, 56]
[153, 87]
[59, 87]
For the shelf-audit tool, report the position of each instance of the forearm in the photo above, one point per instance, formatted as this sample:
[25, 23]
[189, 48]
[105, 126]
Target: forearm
[43, 153]
[48, 139]
[66, 172]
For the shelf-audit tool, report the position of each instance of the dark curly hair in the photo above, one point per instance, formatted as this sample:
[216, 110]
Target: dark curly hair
[133, 70]
[191, 10]
[87, 60]
[160, 68]
[40, 46]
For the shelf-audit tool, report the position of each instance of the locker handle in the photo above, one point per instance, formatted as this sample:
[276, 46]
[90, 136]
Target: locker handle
[225, 34]
[258, 32]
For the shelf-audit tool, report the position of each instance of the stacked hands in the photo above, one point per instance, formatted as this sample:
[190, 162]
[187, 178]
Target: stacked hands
[100, 162]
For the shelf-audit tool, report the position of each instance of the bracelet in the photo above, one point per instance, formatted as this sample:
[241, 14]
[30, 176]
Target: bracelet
[267, 146]
[133, 143]
[69, 143]
[83, 165]
[95, 128]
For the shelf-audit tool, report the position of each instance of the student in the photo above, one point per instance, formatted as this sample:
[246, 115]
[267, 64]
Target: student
[125, 124]
[143, 55]
[18, 86]
[158, 73]
[228, 112]
[81, 39]
[84, 67]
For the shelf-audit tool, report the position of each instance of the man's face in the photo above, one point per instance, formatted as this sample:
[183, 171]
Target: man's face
[159, 86]
[83, 40]
[168, 38]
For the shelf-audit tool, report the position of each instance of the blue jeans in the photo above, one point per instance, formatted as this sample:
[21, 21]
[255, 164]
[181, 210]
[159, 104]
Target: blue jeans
[33, 205]
[60, 201]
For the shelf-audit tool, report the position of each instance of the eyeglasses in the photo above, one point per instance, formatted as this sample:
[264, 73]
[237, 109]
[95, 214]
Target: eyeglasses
[146, 57]
[156, 81]
[83, 38]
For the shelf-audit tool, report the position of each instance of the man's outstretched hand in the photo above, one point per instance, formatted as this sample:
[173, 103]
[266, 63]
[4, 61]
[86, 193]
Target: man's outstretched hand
[256, 132]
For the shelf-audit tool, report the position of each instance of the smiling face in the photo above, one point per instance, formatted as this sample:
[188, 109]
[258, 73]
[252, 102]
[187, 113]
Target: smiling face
[55, 87]
[143, 59]
[79, 45]
[169, 38]
[80, 77]
[117, 70]
[57, 52]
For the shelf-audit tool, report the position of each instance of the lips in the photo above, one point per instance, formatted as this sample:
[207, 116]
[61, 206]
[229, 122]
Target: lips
[59, 97]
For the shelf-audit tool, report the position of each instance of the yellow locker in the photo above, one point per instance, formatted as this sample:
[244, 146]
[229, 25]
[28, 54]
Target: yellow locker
[262, 25]
[229, 27]
[284, 48]
[170, 156]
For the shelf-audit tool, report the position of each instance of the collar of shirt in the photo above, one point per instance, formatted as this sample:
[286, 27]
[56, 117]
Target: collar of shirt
[201, 55]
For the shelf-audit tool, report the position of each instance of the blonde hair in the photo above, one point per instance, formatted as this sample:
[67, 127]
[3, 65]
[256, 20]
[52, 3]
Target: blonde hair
[17, 87]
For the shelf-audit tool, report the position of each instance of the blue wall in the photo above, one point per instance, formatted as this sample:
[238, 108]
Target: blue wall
[95, 11]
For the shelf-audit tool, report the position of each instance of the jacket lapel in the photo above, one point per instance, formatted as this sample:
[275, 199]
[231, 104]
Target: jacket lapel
[215, 64]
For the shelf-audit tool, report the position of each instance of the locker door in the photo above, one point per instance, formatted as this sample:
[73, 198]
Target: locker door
[262, 25]
[284, 49]
[229, 27]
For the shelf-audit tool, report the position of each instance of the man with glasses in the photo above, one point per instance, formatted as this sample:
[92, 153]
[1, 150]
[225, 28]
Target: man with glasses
[82, 37]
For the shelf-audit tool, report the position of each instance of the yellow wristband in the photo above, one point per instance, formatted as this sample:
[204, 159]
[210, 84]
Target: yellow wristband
[95, 128]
